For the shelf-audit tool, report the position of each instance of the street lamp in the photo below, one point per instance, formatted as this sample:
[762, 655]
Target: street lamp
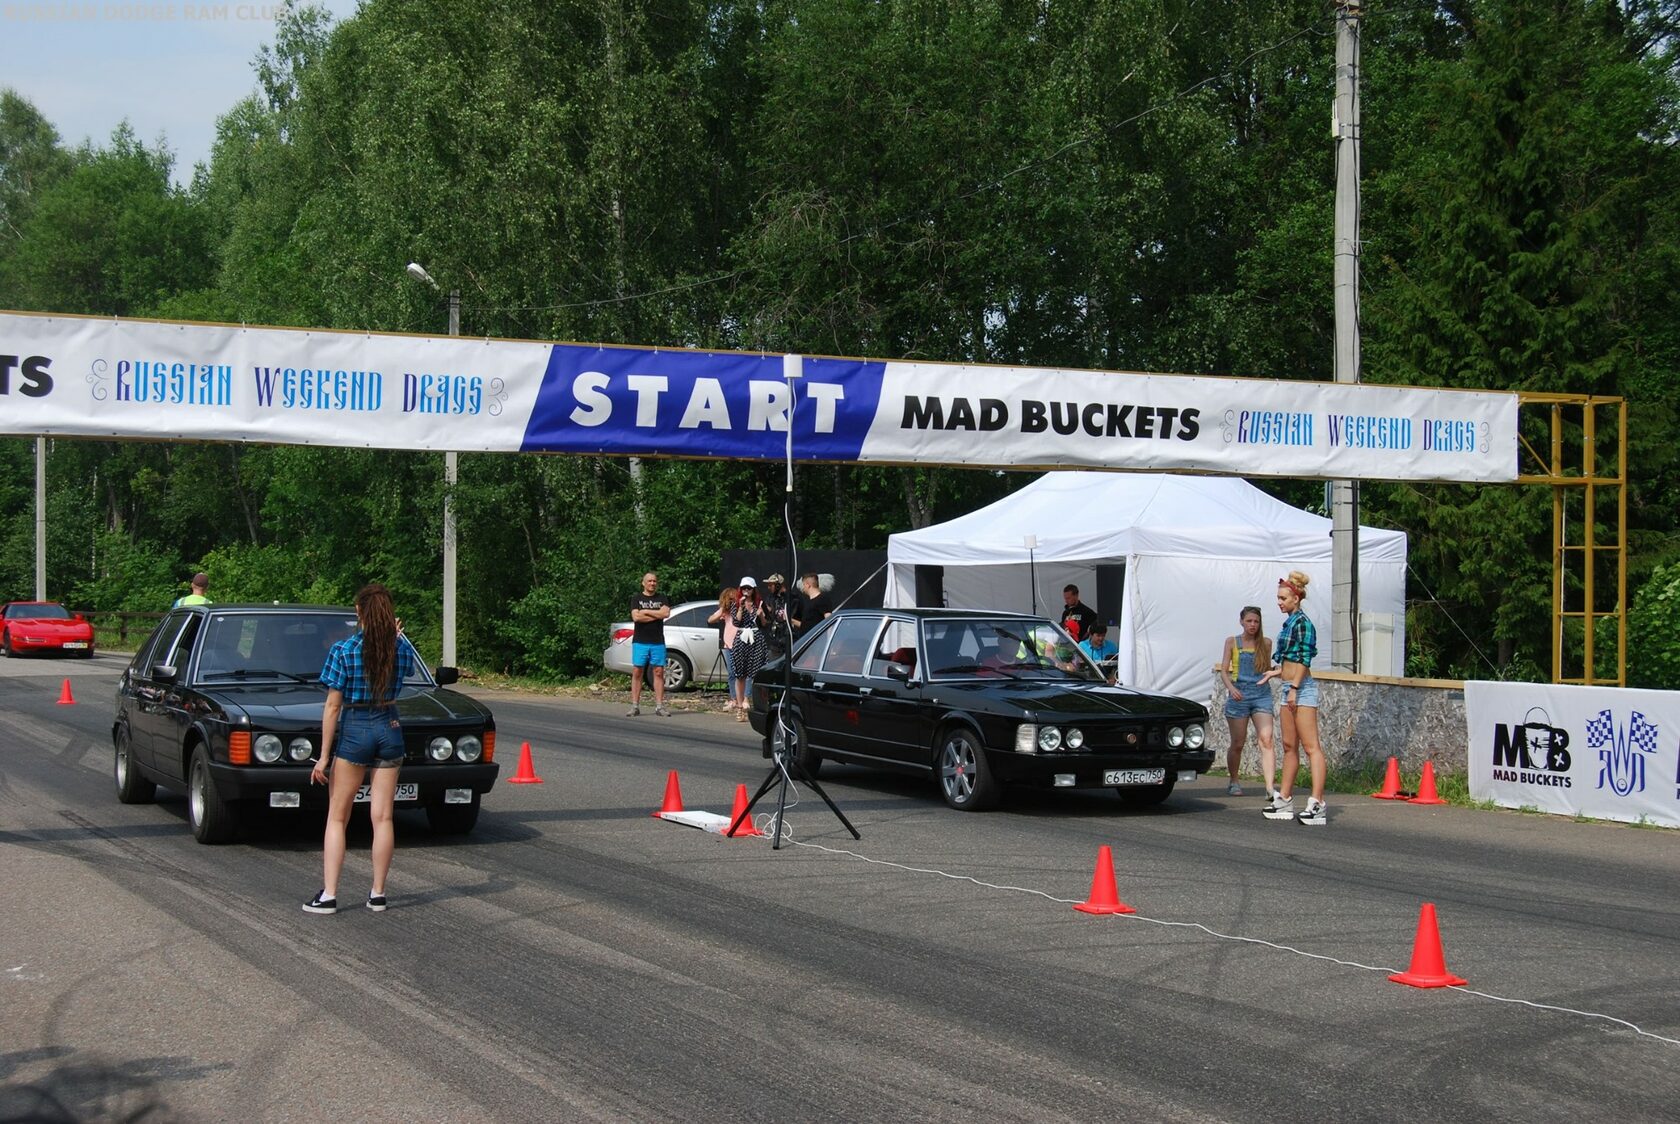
[451, 473]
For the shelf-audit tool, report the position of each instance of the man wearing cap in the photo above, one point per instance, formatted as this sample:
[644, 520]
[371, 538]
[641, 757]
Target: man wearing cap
[200, 583]
[785, 616]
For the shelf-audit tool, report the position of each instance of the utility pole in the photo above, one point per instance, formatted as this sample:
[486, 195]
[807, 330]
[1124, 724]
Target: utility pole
[1344, 494]
[451, 473]
[40, 518]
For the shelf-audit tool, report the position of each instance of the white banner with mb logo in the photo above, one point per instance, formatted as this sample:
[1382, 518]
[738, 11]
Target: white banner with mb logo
[1606, 752]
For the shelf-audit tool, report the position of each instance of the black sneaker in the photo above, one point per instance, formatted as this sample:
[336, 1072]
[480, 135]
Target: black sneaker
[320, 903]
[376, 902]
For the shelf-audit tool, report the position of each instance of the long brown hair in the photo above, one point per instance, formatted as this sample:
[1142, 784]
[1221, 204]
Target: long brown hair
[1262, 642]
[379, 640]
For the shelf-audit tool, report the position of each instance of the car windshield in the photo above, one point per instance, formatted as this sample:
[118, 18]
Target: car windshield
[53, 612]
[1004, 648]
[260, 645]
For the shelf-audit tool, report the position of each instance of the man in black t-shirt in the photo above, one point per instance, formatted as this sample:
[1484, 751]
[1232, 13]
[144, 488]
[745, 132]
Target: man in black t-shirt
[817, 603]
[648, 610]
[1077, 617]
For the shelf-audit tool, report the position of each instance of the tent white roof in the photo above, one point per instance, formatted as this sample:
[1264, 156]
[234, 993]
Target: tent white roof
[1085, 515]
[1193, 549]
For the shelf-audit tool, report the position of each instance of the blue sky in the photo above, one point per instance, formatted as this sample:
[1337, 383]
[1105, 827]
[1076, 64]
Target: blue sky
[170, 68]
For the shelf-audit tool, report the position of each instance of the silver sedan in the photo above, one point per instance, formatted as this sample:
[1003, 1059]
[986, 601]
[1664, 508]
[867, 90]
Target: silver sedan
[691, 647]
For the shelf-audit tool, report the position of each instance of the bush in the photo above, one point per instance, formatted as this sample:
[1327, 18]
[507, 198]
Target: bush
[1654, 631]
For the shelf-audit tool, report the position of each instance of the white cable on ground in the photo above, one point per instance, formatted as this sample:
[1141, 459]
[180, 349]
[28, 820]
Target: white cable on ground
[787, 835]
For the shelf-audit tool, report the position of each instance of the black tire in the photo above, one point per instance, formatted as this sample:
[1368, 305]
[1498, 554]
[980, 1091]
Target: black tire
[452, 819]
[793, 731]
[679, 673]
[132, 788]
[1147, 795]
[6, 644]
[211, 818]
[965, 776]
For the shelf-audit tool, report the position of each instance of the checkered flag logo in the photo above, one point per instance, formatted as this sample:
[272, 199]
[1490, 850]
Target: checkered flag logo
[1601, 731]
[1621, 754]
[1642, 735]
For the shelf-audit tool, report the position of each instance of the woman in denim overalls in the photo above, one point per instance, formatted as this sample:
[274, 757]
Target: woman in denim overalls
[1247, 656]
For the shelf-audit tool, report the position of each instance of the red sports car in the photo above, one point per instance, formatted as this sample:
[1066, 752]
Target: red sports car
[43, 626]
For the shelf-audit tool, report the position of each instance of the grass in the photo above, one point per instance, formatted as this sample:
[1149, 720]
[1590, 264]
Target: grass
[1367, 777]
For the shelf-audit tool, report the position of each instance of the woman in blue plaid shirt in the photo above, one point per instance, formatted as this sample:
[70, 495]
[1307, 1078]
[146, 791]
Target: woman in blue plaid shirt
[363, 674]
[1297, 642]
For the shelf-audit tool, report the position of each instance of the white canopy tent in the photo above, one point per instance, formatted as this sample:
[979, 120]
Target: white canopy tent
[1194, 551]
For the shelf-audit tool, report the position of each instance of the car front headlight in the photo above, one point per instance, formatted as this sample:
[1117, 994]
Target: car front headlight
[1175, 736]
[300, 749]
[469, 748]
[1049, 739]
[1195, 737]
[1074, 738]
[267, 748]
[439, 749]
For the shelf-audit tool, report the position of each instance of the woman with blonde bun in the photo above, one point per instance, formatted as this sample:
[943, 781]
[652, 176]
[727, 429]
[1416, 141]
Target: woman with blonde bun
[1297, 644]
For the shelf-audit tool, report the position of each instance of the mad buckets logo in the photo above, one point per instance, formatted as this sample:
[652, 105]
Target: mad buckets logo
[1622, 751]
[1532, 752]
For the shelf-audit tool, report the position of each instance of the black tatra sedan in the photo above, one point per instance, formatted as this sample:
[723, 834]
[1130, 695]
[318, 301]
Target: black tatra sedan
[224, 703]
[977, 701]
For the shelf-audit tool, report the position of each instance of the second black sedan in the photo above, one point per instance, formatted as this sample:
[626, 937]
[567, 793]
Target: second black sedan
[224, 703]
[977, 702]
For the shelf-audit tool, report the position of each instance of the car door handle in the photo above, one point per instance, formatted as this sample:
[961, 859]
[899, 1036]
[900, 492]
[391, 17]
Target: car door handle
[866, 690]
[818, 685]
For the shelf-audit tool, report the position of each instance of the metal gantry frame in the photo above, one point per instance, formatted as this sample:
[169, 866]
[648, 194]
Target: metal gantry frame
[1572, 468]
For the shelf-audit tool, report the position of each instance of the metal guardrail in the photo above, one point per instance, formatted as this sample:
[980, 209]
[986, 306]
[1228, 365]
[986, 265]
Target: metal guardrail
[131, 626]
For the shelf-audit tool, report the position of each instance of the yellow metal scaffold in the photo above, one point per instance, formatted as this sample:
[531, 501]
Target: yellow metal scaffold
[1588, 565]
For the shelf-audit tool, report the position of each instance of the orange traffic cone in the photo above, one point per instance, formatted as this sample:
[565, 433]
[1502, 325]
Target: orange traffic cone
[1391, 783]
[673, 796]
[65, 698]
[747, 827]
[1105, 898]
[1426, 786]
[1429, 963]
[526, 774]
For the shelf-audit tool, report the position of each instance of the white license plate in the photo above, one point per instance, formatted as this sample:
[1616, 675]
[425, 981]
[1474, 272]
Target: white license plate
[75, 643]
[404, 792]
[1134, 776]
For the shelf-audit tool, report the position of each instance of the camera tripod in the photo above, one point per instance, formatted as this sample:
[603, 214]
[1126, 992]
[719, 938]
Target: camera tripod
[784, 769]
[718, 664]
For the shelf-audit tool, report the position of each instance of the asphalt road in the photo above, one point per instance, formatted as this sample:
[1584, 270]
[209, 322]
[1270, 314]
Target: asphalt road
[578, 959]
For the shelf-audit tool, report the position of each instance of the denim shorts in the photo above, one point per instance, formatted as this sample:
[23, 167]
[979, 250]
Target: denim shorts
[643, 655]
[370, 737]
[1307, 695]
[1257, 699]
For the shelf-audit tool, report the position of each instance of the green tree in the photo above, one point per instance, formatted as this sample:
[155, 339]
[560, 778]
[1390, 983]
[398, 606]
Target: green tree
[112, 235]
[1519, 234]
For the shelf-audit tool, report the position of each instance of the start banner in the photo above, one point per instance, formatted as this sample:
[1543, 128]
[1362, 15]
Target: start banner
[154, 380]
[1610, 753]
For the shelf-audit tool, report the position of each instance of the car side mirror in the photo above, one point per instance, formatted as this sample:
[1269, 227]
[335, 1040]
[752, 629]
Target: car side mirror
[165, 671]
[446, 675]
[900, 672]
